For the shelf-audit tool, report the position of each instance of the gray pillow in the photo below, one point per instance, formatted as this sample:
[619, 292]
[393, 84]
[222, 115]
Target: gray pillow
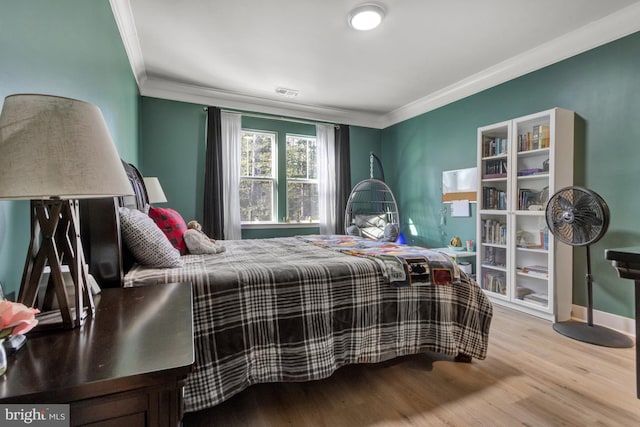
[391, 232]
[148, 244]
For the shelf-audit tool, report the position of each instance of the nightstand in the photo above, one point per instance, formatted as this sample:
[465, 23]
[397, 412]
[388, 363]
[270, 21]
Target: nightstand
[127, 365]
[455, 254]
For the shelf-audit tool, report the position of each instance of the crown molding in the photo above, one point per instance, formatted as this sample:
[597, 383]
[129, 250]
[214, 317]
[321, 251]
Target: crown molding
[126, 25]
[619, 24]
[166, 89]
[612, 27]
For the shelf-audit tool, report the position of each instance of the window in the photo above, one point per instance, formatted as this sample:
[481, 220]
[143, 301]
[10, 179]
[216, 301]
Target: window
[302, 178]
[279, 172]
[258, 176]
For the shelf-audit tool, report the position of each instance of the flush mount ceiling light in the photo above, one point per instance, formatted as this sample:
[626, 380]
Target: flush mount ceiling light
[366, 17]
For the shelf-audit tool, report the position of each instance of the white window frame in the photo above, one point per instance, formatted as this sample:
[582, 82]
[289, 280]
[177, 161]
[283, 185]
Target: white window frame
[274, 172]
[300, 180]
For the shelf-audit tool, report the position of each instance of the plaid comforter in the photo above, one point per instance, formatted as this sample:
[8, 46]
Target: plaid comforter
[275, 310]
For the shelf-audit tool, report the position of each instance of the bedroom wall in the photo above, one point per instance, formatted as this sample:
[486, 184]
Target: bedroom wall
[602, 86]
[69, 48]
[173, 149]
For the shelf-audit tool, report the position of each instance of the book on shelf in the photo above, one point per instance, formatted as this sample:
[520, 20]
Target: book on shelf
[494, 282]
[494, 146]
[540, 136]
[494, 175]
[537, 139]
[495, 167]
[494, 257]
[527, 197]
[527, 172]
[536, 268]
[494, 198]
[494, 232]
[524, 270]
[539, 298]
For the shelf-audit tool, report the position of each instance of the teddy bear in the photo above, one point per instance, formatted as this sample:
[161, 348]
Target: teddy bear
[199, 243]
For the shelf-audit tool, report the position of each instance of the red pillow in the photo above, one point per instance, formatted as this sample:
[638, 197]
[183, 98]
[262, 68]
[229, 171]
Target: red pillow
[171, 224]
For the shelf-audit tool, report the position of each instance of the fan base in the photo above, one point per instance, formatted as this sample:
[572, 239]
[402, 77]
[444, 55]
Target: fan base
[594, 334]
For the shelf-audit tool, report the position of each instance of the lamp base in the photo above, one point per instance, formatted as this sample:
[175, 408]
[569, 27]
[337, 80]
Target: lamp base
[55, 240]
[53, 319]
[593, 334]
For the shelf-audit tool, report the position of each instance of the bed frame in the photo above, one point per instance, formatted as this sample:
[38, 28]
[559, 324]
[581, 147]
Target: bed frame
[107, 256]
[109, 261]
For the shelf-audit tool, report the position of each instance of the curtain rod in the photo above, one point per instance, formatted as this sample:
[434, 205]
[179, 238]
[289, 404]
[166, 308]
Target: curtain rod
[286, 119]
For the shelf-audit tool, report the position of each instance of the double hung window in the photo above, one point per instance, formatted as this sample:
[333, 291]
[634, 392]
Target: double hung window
[274, 186]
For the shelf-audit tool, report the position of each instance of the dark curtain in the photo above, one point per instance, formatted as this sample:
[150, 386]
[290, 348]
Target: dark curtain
[213, 222]
[343, 174]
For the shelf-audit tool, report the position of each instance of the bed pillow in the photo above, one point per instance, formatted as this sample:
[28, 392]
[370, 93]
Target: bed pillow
[391, 232]
[364, 221]
[146, 241]
[372, 233]
[172, 225]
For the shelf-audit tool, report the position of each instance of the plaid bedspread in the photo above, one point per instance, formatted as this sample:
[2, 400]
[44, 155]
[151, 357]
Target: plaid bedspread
[275, 310]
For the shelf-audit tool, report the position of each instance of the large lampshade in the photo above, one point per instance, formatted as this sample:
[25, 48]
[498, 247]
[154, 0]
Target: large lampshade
[53, 147]
[53, 151]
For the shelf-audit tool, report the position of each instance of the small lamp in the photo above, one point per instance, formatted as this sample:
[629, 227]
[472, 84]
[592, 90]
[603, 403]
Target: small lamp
[154, 190]
[53, 151]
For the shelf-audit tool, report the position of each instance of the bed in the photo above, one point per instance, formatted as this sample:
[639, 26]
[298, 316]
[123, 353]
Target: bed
[298, 308]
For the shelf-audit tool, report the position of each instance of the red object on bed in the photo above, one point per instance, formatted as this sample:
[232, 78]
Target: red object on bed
[172, 225]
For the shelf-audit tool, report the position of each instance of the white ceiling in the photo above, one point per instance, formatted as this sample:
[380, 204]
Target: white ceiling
[425, 54]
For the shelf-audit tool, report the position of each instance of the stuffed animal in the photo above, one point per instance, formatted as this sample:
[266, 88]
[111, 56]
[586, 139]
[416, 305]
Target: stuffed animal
[195, 225]
[199, 243]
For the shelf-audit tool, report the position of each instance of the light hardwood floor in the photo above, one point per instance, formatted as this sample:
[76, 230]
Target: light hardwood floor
[532, 376]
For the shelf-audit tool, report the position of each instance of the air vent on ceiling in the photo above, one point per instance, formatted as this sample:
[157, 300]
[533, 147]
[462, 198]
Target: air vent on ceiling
[289, 93]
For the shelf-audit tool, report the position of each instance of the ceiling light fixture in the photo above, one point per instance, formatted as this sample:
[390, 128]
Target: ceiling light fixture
[366, 17]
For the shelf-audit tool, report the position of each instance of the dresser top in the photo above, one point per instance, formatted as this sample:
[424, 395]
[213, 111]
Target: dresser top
[135, 332]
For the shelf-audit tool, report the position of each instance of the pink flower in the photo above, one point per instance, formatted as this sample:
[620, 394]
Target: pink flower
[16, 318]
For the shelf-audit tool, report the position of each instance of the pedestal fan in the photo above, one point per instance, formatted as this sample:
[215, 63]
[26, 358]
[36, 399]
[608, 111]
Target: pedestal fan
[580, 217]
[372, 210]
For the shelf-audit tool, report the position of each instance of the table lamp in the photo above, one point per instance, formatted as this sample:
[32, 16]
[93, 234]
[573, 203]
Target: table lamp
[154, 190]
[54, 151]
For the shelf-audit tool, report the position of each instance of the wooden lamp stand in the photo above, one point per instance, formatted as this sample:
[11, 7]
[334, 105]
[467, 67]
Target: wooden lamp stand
[55, 240]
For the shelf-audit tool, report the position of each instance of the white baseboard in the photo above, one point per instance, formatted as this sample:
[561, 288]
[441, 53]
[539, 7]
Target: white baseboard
[622, 324]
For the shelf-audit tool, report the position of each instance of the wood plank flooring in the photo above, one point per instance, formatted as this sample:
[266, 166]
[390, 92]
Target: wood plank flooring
[532, 376]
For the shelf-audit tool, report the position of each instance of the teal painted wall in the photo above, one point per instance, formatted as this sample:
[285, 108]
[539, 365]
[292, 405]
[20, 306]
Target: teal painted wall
[363, 141]
[603, 87]
[69, 48]
[172, 137]
[173, 149]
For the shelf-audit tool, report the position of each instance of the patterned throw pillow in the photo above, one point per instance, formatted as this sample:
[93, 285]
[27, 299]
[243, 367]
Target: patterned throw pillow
[171, 224]
[146, 242]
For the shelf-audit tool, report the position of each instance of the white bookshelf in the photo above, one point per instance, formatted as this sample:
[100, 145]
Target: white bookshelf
[521, 162]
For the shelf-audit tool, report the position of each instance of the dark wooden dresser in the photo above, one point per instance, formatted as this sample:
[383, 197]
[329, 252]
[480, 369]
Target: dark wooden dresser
[126, 366]
[626, 261]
